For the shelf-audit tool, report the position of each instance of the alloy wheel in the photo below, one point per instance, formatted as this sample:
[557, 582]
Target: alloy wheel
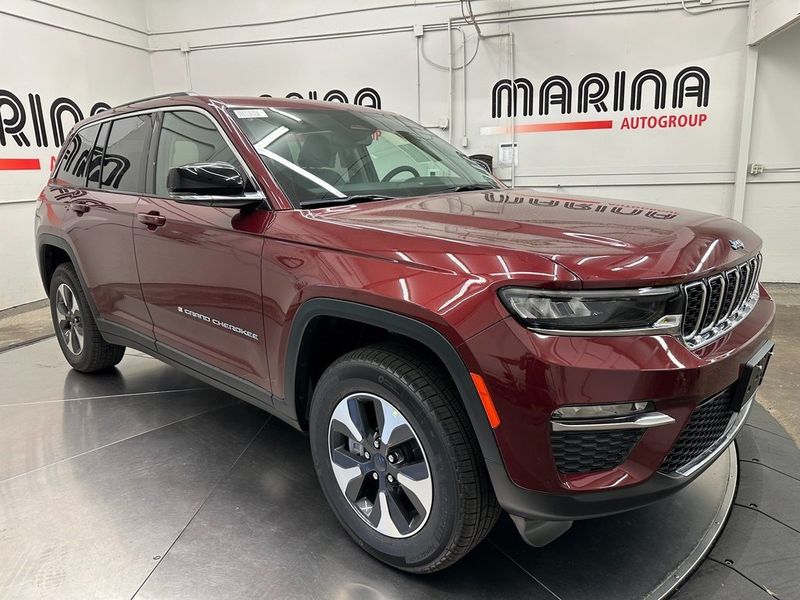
[70, 323]
[380, 465]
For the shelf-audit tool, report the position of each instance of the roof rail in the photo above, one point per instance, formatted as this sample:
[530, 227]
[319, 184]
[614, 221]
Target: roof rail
[156, 97]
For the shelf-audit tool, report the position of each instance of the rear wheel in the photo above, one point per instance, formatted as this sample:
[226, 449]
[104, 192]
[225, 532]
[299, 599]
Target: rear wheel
[76, 330]
[398, 461]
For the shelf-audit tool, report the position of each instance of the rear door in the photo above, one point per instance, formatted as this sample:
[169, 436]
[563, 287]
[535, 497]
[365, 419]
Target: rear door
[200, 266]
[100, 178]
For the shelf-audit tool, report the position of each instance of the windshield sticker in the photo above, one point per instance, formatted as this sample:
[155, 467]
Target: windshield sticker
[250, 113]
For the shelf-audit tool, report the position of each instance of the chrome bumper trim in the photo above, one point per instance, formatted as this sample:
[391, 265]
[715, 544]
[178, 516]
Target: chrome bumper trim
[717, 448]
[652, 419]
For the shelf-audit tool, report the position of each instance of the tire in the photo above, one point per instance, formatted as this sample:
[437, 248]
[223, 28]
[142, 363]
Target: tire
[414, 400]
[76, 330]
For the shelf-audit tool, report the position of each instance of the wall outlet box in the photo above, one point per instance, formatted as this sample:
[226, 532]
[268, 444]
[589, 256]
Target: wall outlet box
[419, 31]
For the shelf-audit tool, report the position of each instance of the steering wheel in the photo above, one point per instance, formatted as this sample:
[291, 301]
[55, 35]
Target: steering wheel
[398, 170]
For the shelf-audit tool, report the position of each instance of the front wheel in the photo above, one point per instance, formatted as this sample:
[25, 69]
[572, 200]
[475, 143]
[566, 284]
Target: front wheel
[398, 461]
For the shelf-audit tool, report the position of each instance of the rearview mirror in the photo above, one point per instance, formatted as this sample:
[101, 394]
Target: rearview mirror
[218, 179]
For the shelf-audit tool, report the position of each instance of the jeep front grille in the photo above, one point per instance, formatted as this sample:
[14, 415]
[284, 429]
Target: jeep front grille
[716, 304]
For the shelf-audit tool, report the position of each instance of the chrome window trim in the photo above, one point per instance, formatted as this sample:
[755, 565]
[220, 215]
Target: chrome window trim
[641, 421]
[254, 196]
[257, 195]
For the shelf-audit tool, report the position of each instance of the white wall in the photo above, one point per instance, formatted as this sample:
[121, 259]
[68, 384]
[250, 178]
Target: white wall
[770, 17]
[772, 203]
[57, 53]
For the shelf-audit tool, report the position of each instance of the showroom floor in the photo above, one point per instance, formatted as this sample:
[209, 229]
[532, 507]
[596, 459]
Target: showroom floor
[144, 482]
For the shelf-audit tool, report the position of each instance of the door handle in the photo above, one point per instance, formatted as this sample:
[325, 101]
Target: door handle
[151, 219]
[80, 207]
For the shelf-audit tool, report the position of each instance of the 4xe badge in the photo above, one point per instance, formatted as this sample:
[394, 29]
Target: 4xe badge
[736, 244]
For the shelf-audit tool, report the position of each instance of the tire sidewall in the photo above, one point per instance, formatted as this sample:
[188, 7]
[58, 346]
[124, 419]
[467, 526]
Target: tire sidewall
[66, 275]
[427, 544]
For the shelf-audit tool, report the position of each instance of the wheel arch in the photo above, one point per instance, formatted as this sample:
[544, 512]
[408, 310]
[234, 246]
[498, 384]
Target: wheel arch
[297, 402]
[52, 251]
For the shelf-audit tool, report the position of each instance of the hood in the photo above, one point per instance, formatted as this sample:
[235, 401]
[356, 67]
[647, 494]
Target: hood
[602, 242]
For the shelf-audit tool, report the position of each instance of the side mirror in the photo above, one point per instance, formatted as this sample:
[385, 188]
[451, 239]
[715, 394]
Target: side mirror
[194, 183]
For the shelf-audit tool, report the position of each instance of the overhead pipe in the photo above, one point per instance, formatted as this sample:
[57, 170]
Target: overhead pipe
[646, 7]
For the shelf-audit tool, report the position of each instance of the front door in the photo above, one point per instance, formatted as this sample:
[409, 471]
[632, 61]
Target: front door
[200, 266]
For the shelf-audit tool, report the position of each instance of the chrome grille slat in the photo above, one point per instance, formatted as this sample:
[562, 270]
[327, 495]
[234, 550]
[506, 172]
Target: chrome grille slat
[731, 289]
[745, 271]
[716, 290]
[716, 304]
[695, 296]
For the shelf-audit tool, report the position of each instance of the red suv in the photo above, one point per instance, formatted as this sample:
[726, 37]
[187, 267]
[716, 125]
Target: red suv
[452, 346]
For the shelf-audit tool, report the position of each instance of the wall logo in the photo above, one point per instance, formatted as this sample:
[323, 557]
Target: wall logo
[366, 96]
[27, 124]
[597, 95]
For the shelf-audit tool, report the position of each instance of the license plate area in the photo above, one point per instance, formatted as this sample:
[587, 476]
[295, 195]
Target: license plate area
[750, 376]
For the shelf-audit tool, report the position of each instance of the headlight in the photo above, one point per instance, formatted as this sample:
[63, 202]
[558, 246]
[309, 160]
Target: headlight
[565, 312]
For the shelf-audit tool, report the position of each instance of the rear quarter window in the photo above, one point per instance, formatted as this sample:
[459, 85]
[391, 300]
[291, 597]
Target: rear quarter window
[125, 159]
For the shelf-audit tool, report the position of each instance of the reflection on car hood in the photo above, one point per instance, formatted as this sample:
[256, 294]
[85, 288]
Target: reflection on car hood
[600, 241]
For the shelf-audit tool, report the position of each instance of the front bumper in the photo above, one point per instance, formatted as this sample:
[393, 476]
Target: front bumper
[529, 375]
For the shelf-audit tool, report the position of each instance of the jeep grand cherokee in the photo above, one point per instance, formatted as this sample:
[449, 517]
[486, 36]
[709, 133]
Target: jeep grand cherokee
[453, 347]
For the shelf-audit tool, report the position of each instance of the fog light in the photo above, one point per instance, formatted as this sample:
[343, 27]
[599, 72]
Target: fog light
[601, 411]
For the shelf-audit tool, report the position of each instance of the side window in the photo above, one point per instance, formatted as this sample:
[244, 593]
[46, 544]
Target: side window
[125, 160]
[74, 164]
[188, 137]
[95, 168]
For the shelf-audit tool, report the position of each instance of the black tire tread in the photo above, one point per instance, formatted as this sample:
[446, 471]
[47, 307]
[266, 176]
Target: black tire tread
[99, 353]
[478, 505]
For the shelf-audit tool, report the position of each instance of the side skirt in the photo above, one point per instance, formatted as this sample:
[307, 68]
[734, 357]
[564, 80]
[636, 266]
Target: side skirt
[114, 333]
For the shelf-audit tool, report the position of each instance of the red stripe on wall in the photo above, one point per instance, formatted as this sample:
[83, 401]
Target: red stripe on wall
[20, 164]
[565, 126]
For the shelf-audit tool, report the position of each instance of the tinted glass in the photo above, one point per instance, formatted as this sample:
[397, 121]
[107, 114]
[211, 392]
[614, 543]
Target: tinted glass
[320, 154]
[73, 167]
[95, 169]
[125, 160]
[189, 137]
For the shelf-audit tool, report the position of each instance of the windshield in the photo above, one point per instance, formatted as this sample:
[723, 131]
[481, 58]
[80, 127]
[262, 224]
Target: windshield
[333, 156]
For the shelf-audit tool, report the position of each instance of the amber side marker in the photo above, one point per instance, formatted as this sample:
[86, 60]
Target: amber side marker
[486, 400]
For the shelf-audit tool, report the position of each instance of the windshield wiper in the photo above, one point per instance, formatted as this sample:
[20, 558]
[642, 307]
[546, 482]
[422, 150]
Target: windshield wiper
[473, 187]
[346, 200]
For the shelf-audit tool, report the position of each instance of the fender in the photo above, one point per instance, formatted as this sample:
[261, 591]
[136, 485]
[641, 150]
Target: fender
[48, 239]
[403, 325]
